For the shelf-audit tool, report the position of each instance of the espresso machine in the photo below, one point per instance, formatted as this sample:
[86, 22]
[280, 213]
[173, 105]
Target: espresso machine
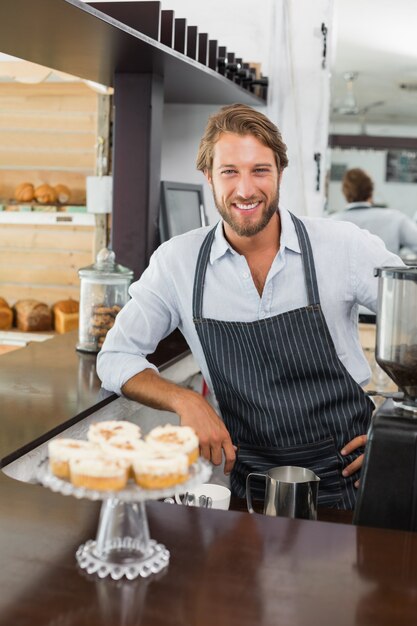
[387, 495]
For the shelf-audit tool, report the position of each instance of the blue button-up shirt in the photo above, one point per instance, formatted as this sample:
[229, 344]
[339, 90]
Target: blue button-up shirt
[345, 257]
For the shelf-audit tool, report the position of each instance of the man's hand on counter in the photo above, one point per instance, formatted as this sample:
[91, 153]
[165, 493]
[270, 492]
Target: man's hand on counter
[355, 466]
[214, 437]
[151, 389]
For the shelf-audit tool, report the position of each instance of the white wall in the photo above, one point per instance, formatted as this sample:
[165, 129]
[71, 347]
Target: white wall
[300, 95]
[245, 27]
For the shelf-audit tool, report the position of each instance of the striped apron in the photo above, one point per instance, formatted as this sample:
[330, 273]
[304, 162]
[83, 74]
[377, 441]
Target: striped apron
[283, 393]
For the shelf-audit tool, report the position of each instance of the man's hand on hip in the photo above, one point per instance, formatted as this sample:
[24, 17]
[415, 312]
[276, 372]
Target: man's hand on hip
[354, 444]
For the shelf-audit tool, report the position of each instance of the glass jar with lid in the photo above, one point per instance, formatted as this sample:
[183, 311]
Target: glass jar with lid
[103, 293]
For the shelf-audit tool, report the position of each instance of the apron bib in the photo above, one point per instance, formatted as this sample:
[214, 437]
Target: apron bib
[283, 393]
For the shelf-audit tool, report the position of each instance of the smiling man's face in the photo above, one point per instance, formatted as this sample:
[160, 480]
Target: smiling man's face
[245, 183]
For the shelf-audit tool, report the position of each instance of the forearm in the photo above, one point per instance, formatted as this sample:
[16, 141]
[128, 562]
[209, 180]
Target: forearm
[193, 410]
[150, 389]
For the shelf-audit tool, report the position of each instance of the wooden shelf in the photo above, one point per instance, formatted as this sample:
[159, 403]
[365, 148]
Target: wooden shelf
[73, 37]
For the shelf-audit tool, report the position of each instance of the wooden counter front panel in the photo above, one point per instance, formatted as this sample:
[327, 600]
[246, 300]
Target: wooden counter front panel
[226, 569]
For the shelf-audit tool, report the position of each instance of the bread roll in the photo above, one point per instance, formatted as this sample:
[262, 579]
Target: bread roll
[6, 315]
[24, 192]
[66, 315]
[32, 315]
[63, 194]
[45, 194]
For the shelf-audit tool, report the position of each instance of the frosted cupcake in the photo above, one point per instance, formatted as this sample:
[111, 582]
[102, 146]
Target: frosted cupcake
[102, 432]
[100, 474]
[62, 451]
[125, 449]
[157, 472]
[174, 439]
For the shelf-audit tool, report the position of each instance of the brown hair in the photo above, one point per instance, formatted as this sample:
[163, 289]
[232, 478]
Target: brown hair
[357, 186]
[242, 120]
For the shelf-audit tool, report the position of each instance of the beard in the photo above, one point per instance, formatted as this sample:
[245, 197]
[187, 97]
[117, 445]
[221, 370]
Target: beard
[251, 228]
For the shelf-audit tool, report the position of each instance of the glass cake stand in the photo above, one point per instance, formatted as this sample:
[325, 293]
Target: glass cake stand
[122, 546]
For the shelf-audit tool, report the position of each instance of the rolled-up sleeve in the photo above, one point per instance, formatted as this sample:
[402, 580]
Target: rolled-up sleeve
[148, 317]
[408, 233]
[370, 253]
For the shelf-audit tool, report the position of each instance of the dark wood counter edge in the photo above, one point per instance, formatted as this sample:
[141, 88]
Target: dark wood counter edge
[174, 342]
[55, 431]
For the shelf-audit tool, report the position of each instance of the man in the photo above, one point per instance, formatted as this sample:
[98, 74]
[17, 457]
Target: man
[394, 228]
[267, 303]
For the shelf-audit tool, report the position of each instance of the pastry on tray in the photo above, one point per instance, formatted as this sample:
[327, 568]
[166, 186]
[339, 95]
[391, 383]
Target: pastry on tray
[102, 473]
[101, 432]
[174, 439]
[115, 452]
[62, 451]
[126, 449]
[160, 472]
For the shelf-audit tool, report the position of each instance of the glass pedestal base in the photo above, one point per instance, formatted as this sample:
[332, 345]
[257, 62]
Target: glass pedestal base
[122, 546]
[156, 559]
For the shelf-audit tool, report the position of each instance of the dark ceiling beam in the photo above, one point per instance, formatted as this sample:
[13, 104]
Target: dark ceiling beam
[373, 142]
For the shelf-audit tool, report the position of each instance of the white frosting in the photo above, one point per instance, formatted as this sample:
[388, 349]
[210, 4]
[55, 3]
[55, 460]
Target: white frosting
[125, 448]
[173, 439]
[101, 467]
[104, 431]
[161, 466]
[67, 449]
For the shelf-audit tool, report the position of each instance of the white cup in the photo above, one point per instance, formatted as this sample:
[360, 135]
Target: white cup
[220, 496]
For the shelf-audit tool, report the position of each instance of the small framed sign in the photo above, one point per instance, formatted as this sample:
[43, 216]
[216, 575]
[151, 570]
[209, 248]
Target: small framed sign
[401, 166]
[337, 171]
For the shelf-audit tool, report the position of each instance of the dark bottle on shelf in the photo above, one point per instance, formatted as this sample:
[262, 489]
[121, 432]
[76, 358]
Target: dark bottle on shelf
[222, 60]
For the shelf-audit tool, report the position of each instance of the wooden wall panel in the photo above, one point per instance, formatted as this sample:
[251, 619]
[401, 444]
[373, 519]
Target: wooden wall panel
[42, 261]
[66, 96]
[58, 140]
[50, 238]
[47, 131]
[12, 292]
[72, 259]
[61, 160]
[39, 274]
[48, 134]
[75, 121]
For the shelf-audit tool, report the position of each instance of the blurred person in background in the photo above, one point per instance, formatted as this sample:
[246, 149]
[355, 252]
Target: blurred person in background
[394, 228]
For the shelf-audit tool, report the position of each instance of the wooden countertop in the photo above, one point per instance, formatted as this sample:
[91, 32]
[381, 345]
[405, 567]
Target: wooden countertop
[47, 386]
[226, 568]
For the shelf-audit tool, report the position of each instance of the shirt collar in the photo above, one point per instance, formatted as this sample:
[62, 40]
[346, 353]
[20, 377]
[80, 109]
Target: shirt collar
[289, 238]
[355, 205]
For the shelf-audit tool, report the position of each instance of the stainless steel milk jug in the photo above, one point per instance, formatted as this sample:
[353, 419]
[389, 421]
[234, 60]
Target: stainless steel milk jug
[289, 492]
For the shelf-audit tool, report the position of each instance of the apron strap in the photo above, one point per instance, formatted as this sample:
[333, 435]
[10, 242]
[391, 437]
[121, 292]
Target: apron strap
[200, 273]
[313, 296]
